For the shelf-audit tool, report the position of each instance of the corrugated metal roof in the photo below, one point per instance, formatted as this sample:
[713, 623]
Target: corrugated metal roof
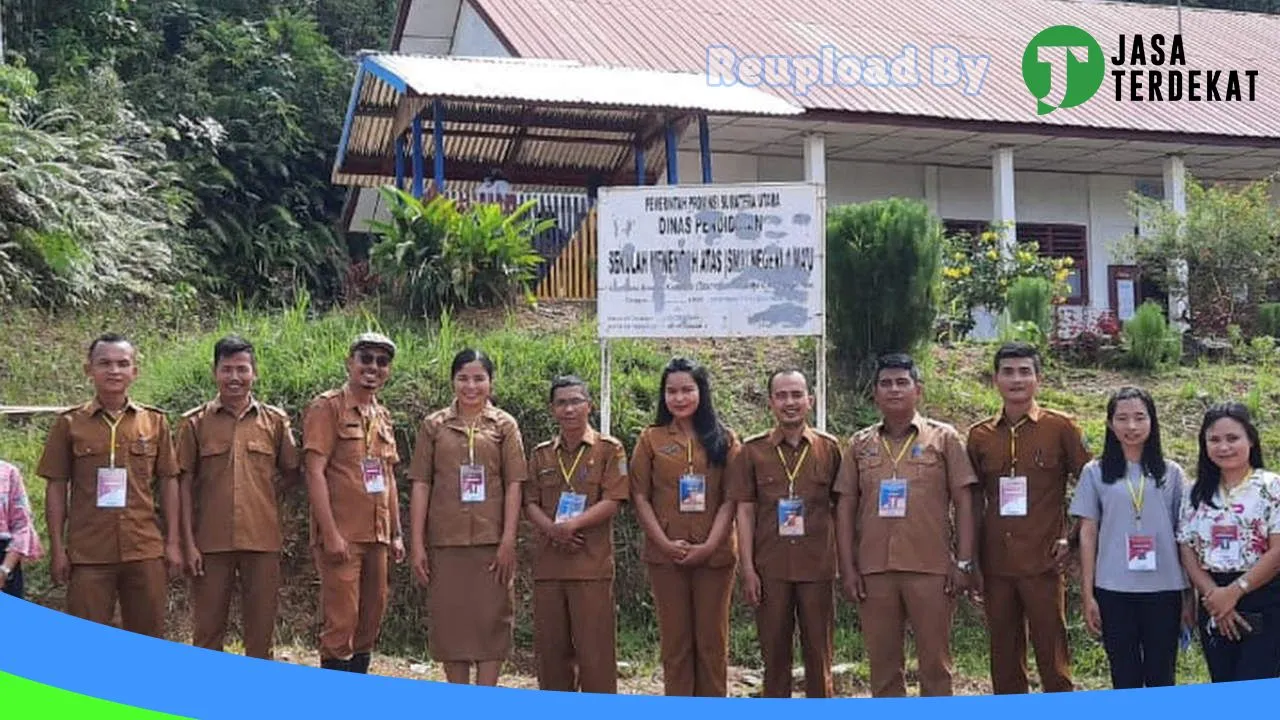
[676, 34]
[543, 121]
[573, 83]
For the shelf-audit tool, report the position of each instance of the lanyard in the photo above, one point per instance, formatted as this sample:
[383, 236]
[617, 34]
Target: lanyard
[370, 427]
[792, 472]
[471, 441]
[1013, 444]
[569, 473]
[897, 458]
[689, 452]
[113, 426]
[1137, 496]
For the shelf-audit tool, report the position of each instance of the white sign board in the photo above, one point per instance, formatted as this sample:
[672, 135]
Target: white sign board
[742, 260]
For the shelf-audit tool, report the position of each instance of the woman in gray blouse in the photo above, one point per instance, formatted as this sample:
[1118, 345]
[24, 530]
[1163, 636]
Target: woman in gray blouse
[1132, 579]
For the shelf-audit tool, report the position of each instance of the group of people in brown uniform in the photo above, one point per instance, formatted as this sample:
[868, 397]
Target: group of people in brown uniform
[902, 519]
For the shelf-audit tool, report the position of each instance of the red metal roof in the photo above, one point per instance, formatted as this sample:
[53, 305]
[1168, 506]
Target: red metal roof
[675, 35]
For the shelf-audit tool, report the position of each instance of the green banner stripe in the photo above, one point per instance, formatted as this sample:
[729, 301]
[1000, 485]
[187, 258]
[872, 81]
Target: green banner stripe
[43, 701]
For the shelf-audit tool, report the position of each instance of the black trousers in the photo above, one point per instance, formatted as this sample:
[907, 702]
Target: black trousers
[15, 585]
[1140, 633]
[1257, 655]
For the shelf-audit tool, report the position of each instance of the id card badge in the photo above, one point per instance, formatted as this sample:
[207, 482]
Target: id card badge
[374, 482]
[791, 517]
[1013, 496]
[693, 493]
[112, 484]
[1142, 553]
[893, 498]
[571, 505]
[1225, 548]
[471, 478]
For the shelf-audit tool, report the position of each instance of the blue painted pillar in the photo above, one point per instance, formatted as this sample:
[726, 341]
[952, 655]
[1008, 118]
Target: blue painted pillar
[437, 111]
[639, 164]
[673, 173]
[400, 162]
[418, 162]
[704, 145]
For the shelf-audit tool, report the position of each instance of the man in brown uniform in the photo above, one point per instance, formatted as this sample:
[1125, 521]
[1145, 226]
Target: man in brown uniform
[782, 481]
[577, 481]
[109, 453]
[350, 456]
[899, 480]
[231, 449]
[1024, 457]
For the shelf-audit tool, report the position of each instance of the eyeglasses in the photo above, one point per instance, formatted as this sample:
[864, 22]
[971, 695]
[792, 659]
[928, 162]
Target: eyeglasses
[570, 402]
[370, 358]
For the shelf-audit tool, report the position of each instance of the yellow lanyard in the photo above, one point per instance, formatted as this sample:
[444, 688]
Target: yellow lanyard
[113, 426]
[1013, 445]
[1137, 495]
[689, 452]
[471, 441]
[897, 458]
[792, 473]
[370, 427]
[569, 473]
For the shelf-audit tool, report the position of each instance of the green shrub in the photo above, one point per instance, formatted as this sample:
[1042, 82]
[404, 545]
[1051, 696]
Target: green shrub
[1150, 344]
[884, 259]
[433, 257]
[1031, 300]
[1269, 319]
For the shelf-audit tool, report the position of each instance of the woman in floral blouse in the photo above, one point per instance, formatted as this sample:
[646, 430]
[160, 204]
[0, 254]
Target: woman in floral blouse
[1230, 546]
[19, 541]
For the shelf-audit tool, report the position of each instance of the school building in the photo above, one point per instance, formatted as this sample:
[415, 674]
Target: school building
[924, 99]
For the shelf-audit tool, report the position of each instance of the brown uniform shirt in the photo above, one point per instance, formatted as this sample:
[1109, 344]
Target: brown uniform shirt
[661, 457]
[232, 464]
[438, 456]
[78, 444]
[333, 427]
[1050, 448]
[601, 474]
[935, 468]
[758, 476]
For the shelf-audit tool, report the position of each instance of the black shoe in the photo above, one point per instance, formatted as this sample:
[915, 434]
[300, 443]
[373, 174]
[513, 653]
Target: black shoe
[336, 664]
[360, 663]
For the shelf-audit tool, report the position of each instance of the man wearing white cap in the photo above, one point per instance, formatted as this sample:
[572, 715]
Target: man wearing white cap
[350, 459]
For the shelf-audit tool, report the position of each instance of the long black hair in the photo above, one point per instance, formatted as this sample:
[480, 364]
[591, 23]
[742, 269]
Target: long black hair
[1208, 474]
[711, 432]
[1113, 464]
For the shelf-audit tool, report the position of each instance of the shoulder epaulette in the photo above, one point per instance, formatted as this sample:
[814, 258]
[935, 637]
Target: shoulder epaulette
[757, 436]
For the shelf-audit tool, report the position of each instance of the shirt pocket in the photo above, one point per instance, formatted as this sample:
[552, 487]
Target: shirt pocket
[142, 457]
[349, 445]
[262, 457]
[548, 483]
[388, 436]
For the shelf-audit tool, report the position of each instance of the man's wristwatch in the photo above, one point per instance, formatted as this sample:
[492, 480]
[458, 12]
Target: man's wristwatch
[1242, 584]
[5, 571]
[964, 566]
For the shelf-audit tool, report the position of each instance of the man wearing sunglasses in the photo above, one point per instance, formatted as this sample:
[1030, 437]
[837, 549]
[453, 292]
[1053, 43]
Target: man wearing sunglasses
[350, 457]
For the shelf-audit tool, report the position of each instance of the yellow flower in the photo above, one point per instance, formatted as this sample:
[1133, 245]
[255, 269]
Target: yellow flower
[967, 270]
[1068, 261]
[951, 273]
[988, 237]
[992, 255]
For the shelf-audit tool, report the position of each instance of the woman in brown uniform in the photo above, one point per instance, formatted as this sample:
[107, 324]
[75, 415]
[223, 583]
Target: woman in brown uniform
[677, 481]
[468, 463]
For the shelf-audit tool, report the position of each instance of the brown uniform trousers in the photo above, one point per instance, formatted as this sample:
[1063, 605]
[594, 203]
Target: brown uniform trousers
[574, 615]
[693, 603]
[353, 593]
[471, 618]
[904, 561]
[796, 573]
[1022, 587]
[116, 554]
[231, 465]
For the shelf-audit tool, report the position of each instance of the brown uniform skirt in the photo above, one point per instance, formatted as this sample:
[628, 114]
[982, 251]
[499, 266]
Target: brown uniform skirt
[471, 617]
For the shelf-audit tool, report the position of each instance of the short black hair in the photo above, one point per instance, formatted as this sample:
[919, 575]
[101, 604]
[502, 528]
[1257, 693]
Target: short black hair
[232, 345]
[897, 361]
[1011, 350]
[108, 338]
[565, 381]
[785, 371]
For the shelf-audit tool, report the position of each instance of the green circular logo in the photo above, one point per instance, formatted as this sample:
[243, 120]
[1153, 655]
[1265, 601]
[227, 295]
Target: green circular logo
[1063, 67]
